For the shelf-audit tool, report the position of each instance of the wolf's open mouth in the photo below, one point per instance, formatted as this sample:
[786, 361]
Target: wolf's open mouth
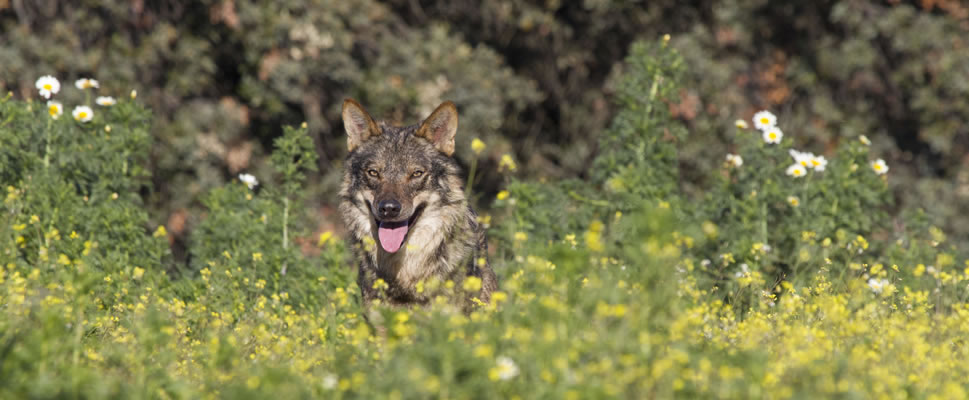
[393, 234]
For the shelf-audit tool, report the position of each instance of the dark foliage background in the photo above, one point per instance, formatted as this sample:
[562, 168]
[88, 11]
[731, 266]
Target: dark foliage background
[531, 78]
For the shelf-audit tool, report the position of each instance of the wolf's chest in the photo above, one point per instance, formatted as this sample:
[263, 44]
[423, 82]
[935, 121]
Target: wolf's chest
[423, 256]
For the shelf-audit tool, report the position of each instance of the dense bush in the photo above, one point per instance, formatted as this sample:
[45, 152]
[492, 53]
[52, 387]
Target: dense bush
[612, 286]
[531, 77]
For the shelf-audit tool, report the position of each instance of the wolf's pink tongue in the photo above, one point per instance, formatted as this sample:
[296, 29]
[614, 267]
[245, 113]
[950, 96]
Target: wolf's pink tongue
[391, 236]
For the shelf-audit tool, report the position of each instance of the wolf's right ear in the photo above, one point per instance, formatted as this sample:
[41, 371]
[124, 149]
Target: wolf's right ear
[358, 124]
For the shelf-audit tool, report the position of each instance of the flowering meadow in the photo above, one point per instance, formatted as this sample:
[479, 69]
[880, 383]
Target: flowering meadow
[785, 278]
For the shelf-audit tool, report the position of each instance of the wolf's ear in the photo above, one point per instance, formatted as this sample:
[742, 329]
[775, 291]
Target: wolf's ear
[358, 124]
[439, 128]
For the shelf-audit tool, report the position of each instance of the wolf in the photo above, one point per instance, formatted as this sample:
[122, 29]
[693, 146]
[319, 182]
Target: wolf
[404, 207]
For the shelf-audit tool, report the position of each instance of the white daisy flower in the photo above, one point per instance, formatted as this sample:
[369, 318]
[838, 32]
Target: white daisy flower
[86, 83]
[764, 120]
[506, 368]
[106, 101]
[877, 285]
[879, 167]
[819, 163]
[793, 201]
[740, 124]
[744, 271]
[55, 108]
[773, 135]
[796, 170]
[249, 180]
[329, 381]
[864, 140]
[48, 86]
[803, 158]
[734, 160]
[83, 113]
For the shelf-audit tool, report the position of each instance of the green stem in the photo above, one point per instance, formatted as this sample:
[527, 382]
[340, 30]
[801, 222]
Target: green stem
[467, 188]
[285, 231]
[600, 203]
[47, 144]
[75, 357]
[763, 222]
[657, 78]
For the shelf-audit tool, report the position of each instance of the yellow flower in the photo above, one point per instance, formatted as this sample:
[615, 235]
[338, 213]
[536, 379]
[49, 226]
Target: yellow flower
[324, 237]
[471, 284]
[485, 220]
[507, 163]
[570, 239]
[593, 236]
[477, 146]
[160, 232]
[257, 256]
[502, 195]
[138, 273]
[499, 297]
[793, 201]
[484, 351]
[521, 236]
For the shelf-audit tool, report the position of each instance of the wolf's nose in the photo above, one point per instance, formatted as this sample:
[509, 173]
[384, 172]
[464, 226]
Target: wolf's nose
[388, 209]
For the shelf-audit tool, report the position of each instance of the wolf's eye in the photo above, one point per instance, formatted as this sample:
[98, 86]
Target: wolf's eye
[417, 174]
[372, 172]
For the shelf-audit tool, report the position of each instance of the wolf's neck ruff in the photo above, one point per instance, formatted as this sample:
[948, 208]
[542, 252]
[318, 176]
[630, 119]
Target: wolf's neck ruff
[392, 234]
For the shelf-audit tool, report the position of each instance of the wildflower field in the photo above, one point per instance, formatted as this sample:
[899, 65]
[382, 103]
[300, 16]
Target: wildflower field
[784, 278]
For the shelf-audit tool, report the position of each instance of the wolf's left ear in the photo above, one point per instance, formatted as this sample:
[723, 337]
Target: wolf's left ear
[439, 128]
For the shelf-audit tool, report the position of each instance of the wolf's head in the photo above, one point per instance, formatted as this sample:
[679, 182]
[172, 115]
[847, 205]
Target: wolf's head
[398, 173]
